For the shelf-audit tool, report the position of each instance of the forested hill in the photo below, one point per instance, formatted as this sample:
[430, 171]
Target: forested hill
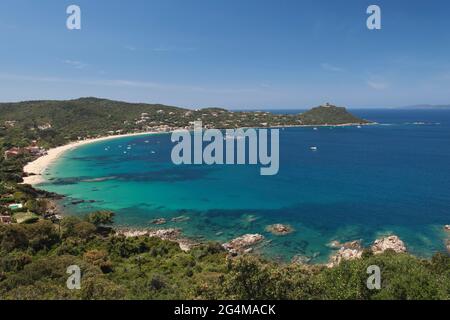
[56, 122]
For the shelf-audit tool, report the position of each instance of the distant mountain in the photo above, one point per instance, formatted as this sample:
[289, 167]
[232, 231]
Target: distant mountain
[428, 106]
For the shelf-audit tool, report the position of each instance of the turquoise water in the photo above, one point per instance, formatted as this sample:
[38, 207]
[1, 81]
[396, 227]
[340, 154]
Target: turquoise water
[360, 184]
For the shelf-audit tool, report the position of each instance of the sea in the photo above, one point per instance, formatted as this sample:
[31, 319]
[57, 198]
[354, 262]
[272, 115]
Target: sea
[361, 183]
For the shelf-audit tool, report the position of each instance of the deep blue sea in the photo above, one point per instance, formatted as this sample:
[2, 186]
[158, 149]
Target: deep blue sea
[361, 183]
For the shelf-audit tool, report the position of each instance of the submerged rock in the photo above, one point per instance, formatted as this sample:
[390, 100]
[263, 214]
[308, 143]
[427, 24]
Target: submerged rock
[300, 259]
[241, 244]
[159, 221]
[355, 244]
[279, 229]
[180, 219]
[334, 244]
[392, 242]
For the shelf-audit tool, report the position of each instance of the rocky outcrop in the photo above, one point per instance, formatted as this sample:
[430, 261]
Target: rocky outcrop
[164, 234]
[348, 251]
[447, 227]
[242, 244]
[170, 234]
[279, 229]
[392, 242]
[353, 249]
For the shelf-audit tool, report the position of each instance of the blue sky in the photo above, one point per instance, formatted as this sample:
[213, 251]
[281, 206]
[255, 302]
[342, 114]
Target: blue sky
[235, 54]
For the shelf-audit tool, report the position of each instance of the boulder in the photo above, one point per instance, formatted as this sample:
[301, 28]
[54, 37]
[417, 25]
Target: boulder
[392, 242]
[241, 244]
[447, 227]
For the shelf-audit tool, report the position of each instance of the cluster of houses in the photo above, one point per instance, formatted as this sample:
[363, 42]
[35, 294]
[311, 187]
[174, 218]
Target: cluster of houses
[33, 150]
[7, 219]
[15, 208]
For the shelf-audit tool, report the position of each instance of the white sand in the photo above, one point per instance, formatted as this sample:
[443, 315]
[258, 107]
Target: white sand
[38, 166]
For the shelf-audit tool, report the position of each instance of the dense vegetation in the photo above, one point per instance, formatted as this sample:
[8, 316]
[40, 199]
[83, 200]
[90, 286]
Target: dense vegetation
[35, 257]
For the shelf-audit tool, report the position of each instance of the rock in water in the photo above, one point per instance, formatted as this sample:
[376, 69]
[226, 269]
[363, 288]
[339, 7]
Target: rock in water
[159, 221]
[241, 244]
[355, 244]
[334, 244]
[392, 242]
[447, 227]
[279, 229]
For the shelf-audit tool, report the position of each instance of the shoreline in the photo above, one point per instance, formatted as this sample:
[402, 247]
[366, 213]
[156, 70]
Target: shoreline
[36, 169]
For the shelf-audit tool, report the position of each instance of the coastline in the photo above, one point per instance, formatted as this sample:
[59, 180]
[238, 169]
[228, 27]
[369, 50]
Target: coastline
[36, 169]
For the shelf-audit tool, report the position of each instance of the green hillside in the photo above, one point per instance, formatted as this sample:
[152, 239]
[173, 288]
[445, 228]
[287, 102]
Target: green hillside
[57, 122]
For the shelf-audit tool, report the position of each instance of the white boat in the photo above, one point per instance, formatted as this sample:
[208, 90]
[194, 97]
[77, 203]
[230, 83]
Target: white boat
[315, 128]
[313, 148]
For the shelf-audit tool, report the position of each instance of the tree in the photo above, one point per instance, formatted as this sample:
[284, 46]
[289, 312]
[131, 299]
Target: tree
[74, 227]
[99, 218]
[12, 237]
[41, 235]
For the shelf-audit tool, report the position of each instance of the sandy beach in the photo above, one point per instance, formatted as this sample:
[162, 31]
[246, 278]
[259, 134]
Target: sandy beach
[36, 168]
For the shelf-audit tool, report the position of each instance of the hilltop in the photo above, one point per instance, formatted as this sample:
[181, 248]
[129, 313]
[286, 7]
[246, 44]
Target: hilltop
[329, 114]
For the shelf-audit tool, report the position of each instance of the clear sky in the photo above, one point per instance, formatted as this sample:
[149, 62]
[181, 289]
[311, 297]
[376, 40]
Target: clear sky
[230, 53]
